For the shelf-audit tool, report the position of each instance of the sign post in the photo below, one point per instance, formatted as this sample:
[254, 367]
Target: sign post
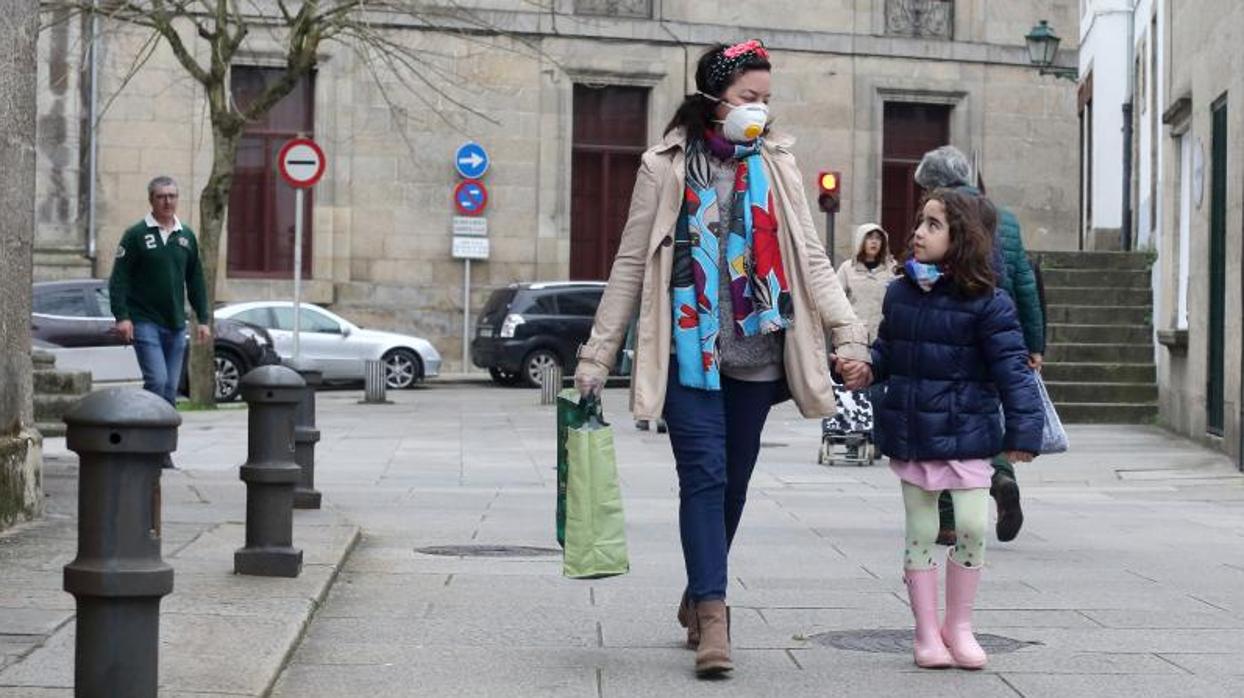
[301, 163]
[470, 232]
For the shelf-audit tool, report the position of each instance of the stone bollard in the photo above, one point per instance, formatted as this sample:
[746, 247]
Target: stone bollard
[270, 473]
[306, 435]
[121, 436]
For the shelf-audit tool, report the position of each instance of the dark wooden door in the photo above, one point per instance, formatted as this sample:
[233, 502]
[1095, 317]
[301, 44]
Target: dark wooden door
[909, 131]
[261, 204]
[610, 135]
[1215, 392]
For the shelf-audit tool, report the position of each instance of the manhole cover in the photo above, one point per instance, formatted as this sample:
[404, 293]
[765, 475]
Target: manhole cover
[899, 641]
[773, 444]
[488, 551]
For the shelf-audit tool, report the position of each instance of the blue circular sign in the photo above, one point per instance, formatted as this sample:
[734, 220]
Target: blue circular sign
[470, 197]
[471, 160]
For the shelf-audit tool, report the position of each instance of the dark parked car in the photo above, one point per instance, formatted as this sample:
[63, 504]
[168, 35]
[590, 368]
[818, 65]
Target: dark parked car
[528, 326]
[78, 314]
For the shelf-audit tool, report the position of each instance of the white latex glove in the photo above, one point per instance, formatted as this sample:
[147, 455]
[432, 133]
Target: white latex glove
[588, 383]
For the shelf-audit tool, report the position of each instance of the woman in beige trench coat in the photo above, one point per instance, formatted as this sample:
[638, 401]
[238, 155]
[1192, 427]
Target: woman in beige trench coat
[735, 297]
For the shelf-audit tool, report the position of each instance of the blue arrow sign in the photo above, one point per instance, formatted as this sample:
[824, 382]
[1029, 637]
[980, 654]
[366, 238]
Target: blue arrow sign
[471, 160]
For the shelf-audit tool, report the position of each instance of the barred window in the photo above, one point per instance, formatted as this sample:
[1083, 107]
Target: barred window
[614, 8]
[928, 19]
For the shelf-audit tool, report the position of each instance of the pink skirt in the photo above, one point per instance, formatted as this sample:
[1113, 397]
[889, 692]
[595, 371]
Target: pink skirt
[938, 475]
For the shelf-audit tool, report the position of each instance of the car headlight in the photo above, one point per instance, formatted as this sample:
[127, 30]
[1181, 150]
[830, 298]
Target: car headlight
[511, 324]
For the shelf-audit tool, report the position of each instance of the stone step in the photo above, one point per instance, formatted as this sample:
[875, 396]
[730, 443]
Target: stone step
[51, 429]
[1099, 353]
[43, 360]
[1106, 413]
[1114, 393]
[62, 382]
[1099, 314]
[1093, 260]
[1097, 278]
[1099, 373]
[50, 408]
[1099, 334]
[1083, 295]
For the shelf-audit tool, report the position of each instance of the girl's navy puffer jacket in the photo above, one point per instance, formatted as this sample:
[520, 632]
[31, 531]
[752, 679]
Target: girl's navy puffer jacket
[947, 361]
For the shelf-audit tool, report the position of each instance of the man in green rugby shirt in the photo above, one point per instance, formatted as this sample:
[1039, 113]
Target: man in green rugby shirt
[157, 267]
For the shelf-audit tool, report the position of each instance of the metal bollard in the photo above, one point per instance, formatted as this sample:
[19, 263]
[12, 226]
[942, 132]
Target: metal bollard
[375, 380]
[550, 383]
[306, 435]
[121, 436]
[270, 473]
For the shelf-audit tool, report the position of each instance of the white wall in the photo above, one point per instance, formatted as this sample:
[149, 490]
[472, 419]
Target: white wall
[1103, 51]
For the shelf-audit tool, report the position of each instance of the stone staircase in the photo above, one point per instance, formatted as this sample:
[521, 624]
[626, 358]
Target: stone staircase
[55, 393]
[1099, 355]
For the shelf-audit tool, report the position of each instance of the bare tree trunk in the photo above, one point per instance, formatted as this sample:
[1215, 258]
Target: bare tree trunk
[212, 201]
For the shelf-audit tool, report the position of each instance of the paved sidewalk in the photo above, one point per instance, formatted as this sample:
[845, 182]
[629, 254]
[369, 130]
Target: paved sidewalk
[220, 634]
[1125, 581]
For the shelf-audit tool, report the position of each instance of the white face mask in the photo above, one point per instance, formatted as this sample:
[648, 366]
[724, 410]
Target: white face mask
[745, 122]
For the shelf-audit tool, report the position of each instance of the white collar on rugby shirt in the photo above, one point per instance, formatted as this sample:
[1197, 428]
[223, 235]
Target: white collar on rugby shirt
[164, 233]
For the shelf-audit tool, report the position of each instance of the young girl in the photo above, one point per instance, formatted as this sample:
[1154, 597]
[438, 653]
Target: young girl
[950, 348]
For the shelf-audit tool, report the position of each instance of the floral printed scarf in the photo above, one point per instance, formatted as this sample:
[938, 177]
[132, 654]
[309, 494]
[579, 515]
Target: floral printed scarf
[759, 294]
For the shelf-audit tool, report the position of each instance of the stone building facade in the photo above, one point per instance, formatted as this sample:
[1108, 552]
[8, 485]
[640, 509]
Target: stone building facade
[862, 84]
[1198, 277]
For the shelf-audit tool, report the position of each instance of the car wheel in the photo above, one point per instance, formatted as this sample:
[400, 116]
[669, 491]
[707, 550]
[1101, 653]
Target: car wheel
[535, 363]
[402, 369]
[228, 376]
[503, 378]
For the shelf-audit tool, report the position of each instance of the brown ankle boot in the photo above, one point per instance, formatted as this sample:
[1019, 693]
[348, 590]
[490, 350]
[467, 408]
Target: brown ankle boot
[687, 619]
[712, 657]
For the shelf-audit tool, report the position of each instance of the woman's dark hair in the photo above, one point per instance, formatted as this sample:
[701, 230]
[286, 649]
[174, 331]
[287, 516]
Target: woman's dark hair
[696, 111]
[969, 260]
[883, 254]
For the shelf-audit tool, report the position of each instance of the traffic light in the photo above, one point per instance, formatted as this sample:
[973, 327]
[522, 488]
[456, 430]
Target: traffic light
[830, 184]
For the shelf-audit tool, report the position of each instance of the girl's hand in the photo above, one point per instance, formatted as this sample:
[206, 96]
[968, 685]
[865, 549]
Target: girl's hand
[1019, 456]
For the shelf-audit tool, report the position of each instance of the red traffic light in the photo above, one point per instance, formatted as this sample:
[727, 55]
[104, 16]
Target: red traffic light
[830, 184]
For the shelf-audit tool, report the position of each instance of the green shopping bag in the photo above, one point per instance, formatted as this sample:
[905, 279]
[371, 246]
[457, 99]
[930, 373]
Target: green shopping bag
[590, 524]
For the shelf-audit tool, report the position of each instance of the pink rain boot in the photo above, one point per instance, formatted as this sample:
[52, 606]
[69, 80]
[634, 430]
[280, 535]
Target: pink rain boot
[961, 585]
[931, 652]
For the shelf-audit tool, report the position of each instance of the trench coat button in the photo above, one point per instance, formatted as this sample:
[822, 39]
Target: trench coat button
[667, 241]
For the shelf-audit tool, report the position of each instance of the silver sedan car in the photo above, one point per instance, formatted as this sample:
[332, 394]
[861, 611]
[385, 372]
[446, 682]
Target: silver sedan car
[338, 347]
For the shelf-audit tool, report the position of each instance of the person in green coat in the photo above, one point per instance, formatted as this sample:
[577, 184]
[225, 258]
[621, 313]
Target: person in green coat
[948, 167]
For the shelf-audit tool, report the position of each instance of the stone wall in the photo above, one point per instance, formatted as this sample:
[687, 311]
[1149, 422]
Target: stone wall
[382, 214]
[20, 445]
[1205, 64]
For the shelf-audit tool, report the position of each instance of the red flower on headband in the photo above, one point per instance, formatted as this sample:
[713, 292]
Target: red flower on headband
[752, 46]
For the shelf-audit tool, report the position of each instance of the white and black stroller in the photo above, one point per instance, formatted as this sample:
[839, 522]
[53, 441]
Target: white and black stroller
[847, 437]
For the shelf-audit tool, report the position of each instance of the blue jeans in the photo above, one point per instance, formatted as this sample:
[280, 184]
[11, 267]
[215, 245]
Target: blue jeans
[715, 435]
[161, 352]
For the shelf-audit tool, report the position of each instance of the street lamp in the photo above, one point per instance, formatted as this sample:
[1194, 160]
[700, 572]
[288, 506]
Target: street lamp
[1043, 49]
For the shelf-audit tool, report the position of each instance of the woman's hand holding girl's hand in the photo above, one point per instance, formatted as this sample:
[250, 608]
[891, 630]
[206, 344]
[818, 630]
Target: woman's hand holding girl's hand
[856, 375]
[1019, 456]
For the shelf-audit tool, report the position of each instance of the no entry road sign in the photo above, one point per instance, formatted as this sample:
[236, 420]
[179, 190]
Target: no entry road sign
[301, 163]
[470, 197]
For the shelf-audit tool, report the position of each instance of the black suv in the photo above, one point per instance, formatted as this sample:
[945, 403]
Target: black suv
[528, 326]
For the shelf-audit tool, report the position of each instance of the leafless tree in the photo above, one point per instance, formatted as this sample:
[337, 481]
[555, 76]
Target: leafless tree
[368, 28]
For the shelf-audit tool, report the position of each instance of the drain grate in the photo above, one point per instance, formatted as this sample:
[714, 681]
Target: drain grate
[488, 551]
[899, 641]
